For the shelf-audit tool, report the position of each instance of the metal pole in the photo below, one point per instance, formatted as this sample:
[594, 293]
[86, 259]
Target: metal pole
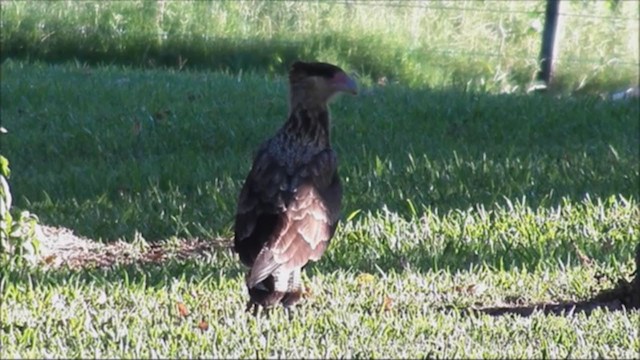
[547, 53]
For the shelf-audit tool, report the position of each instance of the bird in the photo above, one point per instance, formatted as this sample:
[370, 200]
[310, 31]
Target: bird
[290, 202]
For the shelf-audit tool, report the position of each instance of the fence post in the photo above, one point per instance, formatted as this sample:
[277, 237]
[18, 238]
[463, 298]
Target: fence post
[548, 51]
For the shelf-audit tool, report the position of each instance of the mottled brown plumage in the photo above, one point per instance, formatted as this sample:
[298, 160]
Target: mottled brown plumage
[290, 202]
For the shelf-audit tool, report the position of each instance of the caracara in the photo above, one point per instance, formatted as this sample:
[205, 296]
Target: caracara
[289, 205]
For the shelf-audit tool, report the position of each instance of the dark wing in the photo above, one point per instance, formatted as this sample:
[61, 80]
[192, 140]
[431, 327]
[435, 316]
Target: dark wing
[303, 231]
[260, 205]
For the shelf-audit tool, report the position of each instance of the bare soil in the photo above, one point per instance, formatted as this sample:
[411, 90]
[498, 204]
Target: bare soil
[61, 247]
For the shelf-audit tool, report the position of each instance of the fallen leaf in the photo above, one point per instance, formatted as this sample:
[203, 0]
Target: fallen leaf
[365, 278]
[476, 289]
[156, 255]
[47, 260]
[193, 97]
[307, 293]
[387, 303]
[136, 129]
[162, 115]
[203, 325]
[473, 289]
[182, 310]
[584, 259]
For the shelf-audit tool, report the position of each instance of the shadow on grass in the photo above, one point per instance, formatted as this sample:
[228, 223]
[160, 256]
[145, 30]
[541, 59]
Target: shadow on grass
[443, 149]
[624, 296]
[235, 55]
[447, 150]
[373, 55]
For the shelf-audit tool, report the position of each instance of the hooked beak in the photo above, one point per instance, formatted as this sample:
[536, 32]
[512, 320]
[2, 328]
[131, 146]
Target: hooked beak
[345, 83]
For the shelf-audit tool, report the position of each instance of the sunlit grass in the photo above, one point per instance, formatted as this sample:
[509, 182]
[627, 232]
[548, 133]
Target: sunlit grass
[492, 46]
[452, 199]
[133, 312]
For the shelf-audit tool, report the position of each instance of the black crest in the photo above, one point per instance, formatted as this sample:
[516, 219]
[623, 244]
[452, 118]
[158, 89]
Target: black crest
[321, 69]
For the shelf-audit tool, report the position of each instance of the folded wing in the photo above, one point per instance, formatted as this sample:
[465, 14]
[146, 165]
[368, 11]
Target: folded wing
[284, 221]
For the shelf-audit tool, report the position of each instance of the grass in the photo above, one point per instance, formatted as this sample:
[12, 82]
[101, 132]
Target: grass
[132, 312]
[111, 152]
[460, 190]
[471, 199]
[491, 46]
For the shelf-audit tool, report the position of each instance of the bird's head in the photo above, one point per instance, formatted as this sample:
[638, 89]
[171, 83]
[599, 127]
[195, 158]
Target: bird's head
[318, 82]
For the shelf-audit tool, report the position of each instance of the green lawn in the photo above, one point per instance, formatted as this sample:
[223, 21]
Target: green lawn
[133, 312]
[109, 152]
[461, 190]
[452, 199]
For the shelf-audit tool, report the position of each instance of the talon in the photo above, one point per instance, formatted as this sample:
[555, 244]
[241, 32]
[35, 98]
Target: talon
[290, 312]
[253, 308]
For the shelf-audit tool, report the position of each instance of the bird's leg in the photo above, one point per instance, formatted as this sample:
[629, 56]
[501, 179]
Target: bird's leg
[257, 309]
[290, 311]
[291, 298]
[266, 311]
[253, 307]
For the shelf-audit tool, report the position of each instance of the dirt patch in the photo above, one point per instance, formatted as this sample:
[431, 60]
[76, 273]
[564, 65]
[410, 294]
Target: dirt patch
[61, 247]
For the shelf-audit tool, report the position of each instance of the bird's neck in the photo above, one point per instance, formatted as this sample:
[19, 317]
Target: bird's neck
[310, 124]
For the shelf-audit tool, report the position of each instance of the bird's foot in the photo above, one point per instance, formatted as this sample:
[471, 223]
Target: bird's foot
[292, 298]
[251, 307]
[290, 311]
[257, 309]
